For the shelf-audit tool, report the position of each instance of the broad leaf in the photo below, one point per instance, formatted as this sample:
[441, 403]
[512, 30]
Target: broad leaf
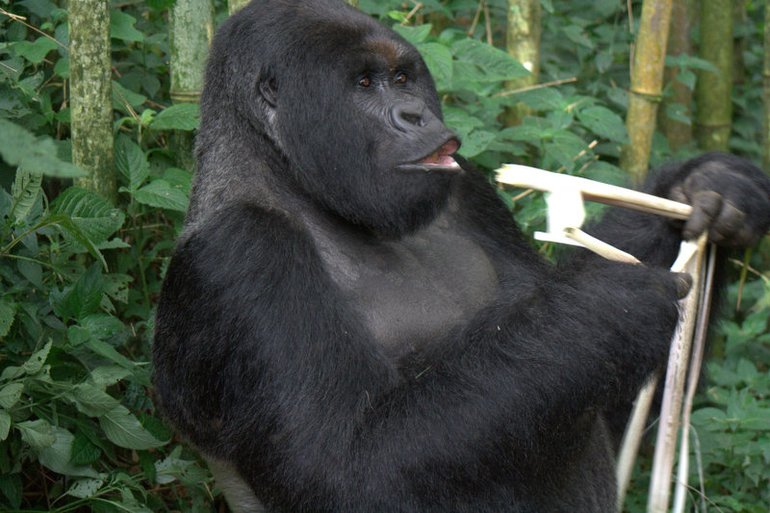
[182, 116]
[124, 430]
[159, 193]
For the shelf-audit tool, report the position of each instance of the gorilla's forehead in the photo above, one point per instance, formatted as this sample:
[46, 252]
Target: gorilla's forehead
[394, 52]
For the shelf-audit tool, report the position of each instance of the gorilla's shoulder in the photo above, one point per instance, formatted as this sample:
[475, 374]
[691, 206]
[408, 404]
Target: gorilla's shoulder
[254, 240]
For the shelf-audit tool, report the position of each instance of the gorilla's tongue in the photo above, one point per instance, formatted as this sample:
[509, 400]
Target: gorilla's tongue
[440, 161]
[442, 157]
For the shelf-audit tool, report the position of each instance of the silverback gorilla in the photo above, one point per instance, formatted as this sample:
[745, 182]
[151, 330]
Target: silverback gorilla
[352, 323]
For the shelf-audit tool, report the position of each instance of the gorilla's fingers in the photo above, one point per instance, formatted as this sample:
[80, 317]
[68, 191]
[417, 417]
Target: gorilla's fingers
[706, 206]
[728, 225]
[683, 283]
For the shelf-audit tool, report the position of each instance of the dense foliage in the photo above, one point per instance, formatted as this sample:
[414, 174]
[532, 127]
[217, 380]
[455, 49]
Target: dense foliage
[79, 276]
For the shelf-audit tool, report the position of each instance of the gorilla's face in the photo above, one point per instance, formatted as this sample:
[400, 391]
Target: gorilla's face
[358, 118]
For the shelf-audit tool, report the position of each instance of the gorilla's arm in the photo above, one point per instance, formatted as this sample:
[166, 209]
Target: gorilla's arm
[258, 339]
[730, 197]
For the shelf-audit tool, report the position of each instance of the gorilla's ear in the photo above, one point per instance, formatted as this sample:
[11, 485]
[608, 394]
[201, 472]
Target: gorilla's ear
[268, 90]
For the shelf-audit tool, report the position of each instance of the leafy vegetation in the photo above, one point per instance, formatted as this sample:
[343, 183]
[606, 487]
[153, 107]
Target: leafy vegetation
[79, 276]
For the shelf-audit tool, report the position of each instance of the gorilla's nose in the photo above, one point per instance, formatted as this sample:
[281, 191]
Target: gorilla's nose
[409, 116]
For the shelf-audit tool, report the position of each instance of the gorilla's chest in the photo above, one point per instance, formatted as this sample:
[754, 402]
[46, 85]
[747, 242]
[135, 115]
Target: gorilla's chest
[411, 290]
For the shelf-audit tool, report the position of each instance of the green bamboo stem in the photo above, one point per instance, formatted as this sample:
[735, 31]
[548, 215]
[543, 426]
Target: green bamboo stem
[91, 95]
[678, 133]
[713, 93]
[646, 86]
[523, 44]
[191, 28]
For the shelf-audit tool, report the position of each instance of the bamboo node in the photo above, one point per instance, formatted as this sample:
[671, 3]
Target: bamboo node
[186, 96]
[650, 97]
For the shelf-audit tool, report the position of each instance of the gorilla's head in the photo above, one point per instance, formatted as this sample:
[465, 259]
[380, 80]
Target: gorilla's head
[338, 105]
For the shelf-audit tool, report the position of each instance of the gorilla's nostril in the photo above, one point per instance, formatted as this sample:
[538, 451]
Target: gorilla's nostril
[412, 118]
[408, 117]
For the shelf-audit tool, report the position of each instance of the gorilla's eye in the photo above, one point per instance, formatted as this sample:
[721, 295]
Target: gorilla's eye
[400, 78]
[365, 81]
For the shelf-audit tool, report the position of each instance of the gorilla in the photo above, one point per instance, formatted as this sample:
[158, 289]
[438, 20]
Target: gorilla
[351, 321]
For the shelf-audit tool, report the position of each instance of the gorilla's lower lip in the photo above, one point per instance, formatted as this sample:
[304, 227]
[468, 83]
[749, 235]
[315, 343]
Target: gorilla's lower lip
[440, 161]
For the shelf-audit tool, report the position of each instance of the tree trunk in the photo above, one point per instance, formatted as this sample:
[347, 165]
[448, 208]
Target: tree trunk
[714, 90]
[766, 75]
[191, 28]
[646, 86]
[523, 44]
[91, 95]
[678, 133]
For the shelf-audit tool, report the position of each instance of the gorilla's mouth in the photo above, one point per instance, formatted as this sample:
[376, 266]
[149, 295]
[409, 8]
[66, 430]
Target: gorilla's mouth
[440, 161]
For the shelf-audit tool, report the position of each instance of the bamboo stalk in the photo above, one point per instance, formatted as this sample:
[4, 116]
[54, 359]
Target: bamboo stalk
[91, 95]
[678, 133]
[191, 28]
[235, 5]
[714, 89]
[523, 44]
[646, 86]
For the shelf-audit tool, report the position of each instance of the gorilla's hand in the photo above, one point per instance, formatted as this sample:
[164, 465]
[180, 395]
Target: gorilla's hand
[730, 198]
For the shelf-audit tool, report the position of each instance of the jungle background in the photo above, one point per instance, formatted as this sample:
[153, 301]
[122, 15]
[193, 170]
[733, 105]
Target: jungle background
[97, 115]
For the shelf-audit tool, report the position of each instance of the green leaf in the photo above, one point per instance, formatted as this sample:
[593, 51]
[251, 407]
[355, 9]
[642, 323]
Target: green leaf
[564, 147]
[102, 326]
[91, 213]
[11, 487]
[122, 27]
[122, 96]
[10, 395]
[81, 299]
[85, 488]
[108, 375]
[64, 222]
[131, 162]
[5, 424]
[476, 142]
[37, 360]
[494, 64]
[105, 350]
[57, 456]
[26, 191]
[159, 193]
[34, 51]
[33, 154]
[182, 116]
[38, 434]
[124, 430]
[91, 400]
[438, 58]
[7, 314]
[414, 35]
[604, 123]
[84, 452]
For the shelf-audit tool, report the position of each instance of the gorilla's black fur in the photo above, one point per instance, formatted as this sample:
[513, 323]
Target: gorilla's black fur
[353, 324]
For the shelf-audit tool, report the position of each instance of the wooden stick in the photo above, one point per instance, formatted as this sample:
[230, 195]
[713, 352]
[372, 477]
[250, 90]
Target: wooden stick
[533, 178]
[671, 408]
[698, 349]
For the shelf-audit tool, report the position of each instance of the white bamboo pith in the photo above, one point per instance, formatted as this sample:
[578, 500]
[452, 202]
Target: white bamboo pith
[691, 259]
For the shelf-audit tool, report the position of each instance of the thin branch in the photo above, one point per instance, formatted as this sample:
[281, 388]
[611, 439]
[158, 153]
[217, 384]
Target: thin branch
[22, 20]
[535, 87]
